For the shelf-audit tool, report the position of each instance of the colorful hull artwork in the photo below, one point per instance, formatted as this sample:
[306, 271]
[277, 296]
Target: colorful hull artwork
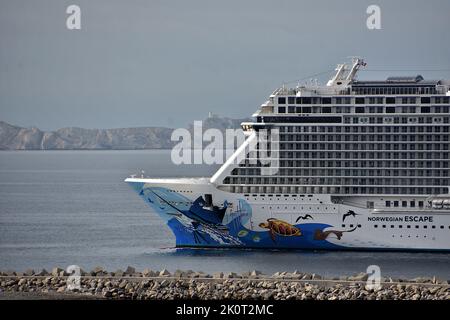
[196, 226]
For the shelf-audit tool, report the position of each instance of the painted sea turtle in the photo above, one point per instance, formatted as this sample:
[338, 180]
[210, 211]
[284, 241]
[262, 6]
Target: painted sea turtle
[280, 227]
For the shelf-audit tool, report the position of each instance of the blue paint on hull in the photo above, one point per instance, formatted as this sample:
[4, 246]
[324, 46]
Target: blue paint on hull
[175, 208]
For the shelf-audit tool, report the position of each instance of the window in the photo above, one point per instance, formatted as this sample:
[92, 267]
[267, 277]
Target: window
[388, 204]
[359, 110]
[390, 100]
[281, 109]
[326, 100]
[390, 109]
[326, 109]
[306, 100]
[291, 109]
[404, 203]
[306, 109]
[425, 109]
[281, 100]
[359, 100]
[425, 100]
[291, 100]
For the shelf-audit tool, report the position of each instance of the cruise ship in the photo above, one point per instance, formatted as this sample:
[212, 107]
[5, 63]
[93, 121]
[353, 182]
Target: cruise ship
[351, 165]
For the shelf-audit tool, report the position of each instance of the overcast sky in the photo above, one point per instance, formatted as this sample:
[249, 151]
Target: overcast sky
[147, 63]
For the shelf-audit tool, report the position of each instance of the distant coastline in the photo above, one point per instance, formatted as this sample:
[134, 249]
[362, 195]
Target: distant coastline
[139, 138]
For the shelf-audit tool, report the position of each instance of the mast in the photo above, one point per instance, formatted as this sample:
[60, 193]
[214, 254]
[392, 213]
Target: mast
[340, 79]
[357, 63]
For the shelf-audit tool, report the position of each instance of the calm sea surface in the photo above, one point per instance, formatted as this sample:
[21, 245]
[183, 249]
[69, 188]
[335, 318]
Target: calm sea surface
[59, 208]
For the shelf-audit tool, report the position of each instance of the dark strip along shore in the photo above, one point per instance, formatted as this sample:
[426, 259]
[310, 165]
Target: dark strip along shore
[162, 285]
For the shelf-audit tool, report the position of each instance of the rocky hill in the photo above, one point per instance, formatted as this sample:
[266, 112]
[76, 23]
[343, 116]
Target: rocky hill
[19, 138]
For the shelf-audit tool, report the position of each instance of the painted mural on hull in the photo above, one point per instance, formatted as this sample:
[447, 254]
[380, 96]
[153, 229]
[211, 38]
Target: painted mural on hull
[197, 225]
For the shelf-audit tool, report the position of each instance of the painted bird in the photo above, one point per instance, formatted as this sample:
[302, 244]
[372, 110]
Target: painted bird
[349, 213]
[305, 217]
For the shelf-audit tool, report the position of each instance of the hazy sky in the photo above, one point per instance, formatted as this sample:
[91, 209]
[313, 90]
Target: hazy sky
[145, 63]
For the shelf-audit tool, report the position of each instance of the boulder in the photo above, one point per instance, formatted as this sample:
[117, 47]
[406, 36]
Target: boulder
[123, 284]
[119, 273]
[98, 271]
[231, 275]
[28, 272]
[362, 276]
[149, 273]
[56, 271]
[164, 273]
[255, 273]
[130, 271]
[421, 280]
[83, 273]
[276, 275]
[316, 277]
[42, 273]
[307, 276]
[178, 274]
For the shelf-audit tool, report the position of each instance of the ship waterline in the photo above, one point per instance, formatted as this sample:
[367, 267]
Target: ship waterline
[360, 165]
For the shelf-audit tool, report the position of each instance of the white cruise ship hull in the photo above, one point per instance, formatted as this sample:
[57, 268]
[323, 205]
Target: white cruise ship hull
[286, 221]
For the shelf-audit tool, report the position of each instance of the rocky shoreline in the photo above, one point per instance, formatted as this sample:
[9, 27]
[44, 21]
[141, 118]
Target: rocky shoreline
[162, 285]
